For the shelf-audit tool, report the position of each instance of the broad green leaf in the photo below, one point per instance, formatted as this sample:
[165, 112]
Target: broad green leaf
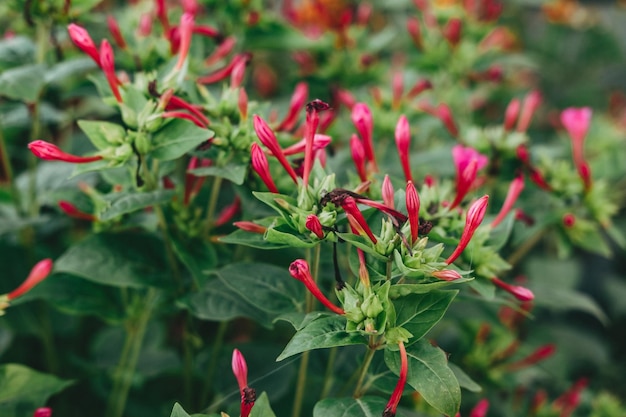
[351, 407]
[270, 200]
[253, 240]
[362, 243]
[178, 411]
[128, 259]
[299, 319]
[17, 50]
[324, 332]
[22, 83]
[177, 138]
[465, 381]
[102, 134]
[500, 235]
[287, 238]
[235, 173]
[402, 290]
[429, 375]
[123, 203]
[198, 256]
[560, 298]
[23, 390]
[262, 407]
[418, 313]
[69, 68]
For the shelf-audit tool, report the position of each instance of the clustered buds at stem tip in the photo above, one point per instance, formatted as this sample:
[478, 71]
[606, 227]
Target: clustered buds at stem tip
[396, 395]
[37, 274]
[474, 217]
[299, 269]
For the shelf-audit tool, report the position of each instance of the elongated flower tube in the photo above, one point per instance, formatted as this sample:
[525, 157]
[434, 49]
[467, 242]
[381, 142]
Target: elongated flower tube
[240, 370]
[319, 143]
[538, 355]
[467, 162]
[358, 156]
[222, 50]
[519, 292]
[413, 27]
[176, 102]
[413, 208]
[447, 275]
[350, 207]
[298, 100]
[388, 193]
[267, 138]
[312, 121]
[576, 121]
[510, 115]
[73, 211]
[452, 31]
[81, 38]
[38, 273]
[397, 87]
[364, 123]
[474, 217]
[161, 12]
[444, 114]
[313, 224]
[186, 116]
[569, 400]
[51, 152]
[43, 412]
[396, 395]
[250, 227]
[480, 409]
[228, 212]
[262, 167]
[403, 143]
[238, 73]
[185, 30]
[107, 63]
[223, 72]
[299, 269]
[516, 187]
[114, 28]
[206, 30]
[242, 103]
[531, 103]
[418, 88]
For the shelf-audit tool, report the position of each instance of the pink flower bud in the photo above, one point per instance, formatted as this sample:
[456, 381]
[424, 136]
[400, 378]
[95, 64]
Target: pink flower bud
[261, 167]
[224, 72]
[43, 412]
[358, 156]
[413, 208]
[519, 292]
[536, 177]
[576, 121]
[50, 152]
[240, 370]
[480, 409]
[403, 143]
[474, 217]
[444, 114]
[346, 98]
[242, 103]
[413, 27]
[72, 211]
[350, 207]
[569, 220]
[206, 30]
[298, 100]
[312, 121]
[185, 30]
[319, 143]
[516, 187]
[114, 28]
[81, 38]
[39, 272]
[176, 102]
[388, 193]
[531, 103]
[161, 12]
[299, 269]
[107, 63]
[397, 86]
[313, 224]
[239, 71]
[222, 50]
[540, 354]
[267, 138]
[145, 25]
[418, 88]
[228, 212]
[510, 116]
[468, 162]
[186, 116]
[447, 275]
[452, 31]
[250, 227]
[396, 395]
[364, 123]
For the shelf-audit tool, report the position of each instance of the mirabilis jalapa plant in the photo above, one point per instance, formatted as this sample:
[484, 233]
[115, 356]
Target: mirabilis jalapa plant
[402, 243]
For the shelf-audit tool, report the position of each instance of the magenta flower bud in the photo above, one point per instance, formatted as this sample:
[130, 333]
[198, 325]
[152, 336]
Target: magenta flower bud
[444, 114]
[523, 154]
[519, 292]
[313, 224]
[50, 152]
[261, 167]
[413, 27]
[350, 207]
[319, 143]
[388, 193]
[250, 227]
[38, 273]
[468, 162]
[206, 30]
[397, 86]
[114, 28]
[364, 123]
[510, 116]
[223, 72]
[358, 156]
[81, 38]
[298, 100]
[531, 103]
[107, 63]
[452, 31]
[569, 220]
[267, 138]
[516, 187]
[239, 71]
[185, 30]
[447, 275]
[403, 143]
[480, 409]
[186, 116]
[222, 50]
[228, 212]
[585, 174]
[43, 412]
[536, 177]
[538, 355]
[242, 103]
[145, 25]
[299, 269]
[176, 102]
[474, 217]
[240, 370]
[312, 121]
[346, 98]
[418, 88]
[72, 211]
[161, 12]
[413, 207]
[396, 395]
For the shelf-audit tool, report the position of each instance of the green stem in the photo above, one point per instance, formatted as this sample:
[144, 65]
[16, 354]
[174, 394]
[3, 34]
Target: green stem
[314, 261]
[47, 339]
[217, 347]
[210, 211]
[328, 375]
[389, 269]
[525, 247]
[135, 332]
[7, 172]
[367, 361]
[188, 365]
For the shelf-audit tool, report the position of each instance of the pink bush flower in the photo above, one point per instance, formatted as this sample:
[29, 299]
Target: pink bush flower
[240, 370]
[299, 269]
[403, 143]
[38, 273]
[413, 208]
[468, 162]
[515, 189]
[51, 152]
[474, 217]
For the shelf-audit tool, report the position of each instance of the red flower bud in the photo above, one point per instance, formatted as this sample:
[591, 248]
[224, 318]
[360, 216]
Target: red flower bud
[569, 220]
[397, 86]
[313, 224]
[50, 152]
[529, 106]
[242, 103]
[81, 38]
[267, 138]
[413, 208]
[107, 63]
[396, 395]
[452, 31]
[298, 100]
[480, 409]
[221, 51]
[38, 273]
[364, 123]
[403, 143]
[72, 211]
[228, 212]
[510, 116]
[261, 167]
[223, 72]
[319, 143]
[388, 193]
[444, 114]
[114, 28]
[240, 370]
[419, 87]
[299, 269]
[350, 207]
[312, 121]
[467, 162]
[43, 412]
[358, 156]
[239, 71]
[516, 187]
[447, 275]
[413, 27]
[185, 30]
[519, 292]
[250, 227]
[474, 217]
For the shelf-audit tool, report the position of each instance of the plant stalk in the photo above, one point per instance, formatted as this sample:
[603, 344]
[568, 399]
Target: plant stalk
[367, 361]
[217, 347]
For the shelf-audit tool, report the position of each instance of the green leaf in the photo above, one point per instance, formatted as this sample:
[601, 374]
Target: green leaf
[561, 298]
[287, 238]
[69, 68]
[178, 411]
[429, 375]
[363, 243]
[500, 235]
[235, 173]
[15, 51]
[23, 390]
[262, 407]
[127, 259]
[198, 256]
[402, 290]
[418, 313]
[465, 381]
[324, 332]
[299, 319]
[22, 83]
[351, 407]
[177, 138]
[102, 134]
[123, 203]
[253, 240]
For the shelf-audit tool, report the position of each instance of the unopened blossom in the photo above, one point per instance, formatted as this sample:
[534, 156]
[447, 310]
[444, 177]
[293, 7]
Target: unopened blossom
[176, 102]
[223, 72]
[73, 211]
[313, 109]
[413, 27]
[396, 395]
[38, 273]
[418, 88]
[81, 38]
[346, 98]
[519, 292]
[268, 138]
[516, 187]
[51, 152]
[388, 192]
[511, 113]
[107, 63]
[364, 123]
[313, 224]
[413, 208]
[185, 116]
[248, 395]
[43, 412]
[531, 103]
[358, 156]
[452, 31]
[261, 167]
[444, 114]
[238, 73]
[250, 227]
[228, 212]
[570, 399]
[299, 269]
[145, 25]
[221, 51]
[468, 162]
[473, 219]
[161, 12]
[576, 121]
[114, 28]
[242, 103]
[538, 355]
[569, 220]
[480, 409]
[403, 143]
[350, 207]
[298, 100]
[185, 29]
[397, 87]
[447, 275]
[319, 143]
